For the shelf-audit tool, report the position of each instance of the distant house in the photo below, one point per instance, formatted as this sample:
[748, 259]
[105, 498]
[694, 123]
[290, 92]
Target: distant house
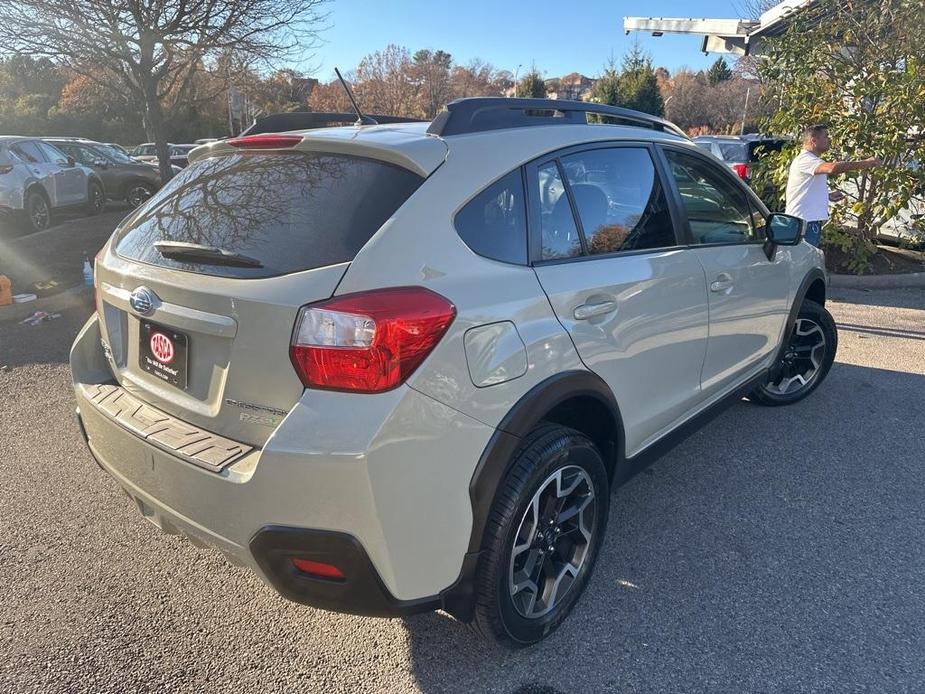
[574, 87]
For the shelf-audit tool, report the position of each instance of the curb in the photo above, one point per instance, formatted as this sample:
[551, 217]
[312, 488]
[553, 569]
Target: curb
[69, 298]
[910, 280]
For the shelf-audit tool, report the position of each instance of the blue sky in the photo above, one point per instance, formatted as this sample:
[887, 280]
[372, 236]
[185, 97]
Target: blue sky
[560, 37]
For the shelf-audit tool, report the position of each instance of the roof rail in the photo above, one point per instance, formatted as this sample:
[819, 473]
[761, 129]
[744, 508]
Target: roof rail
[478, 114]
[306, 120]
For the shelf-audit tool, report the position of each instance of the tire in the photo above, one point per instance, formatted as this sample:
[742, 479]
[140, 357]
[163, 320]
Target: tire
[550, 459]
[96, 199]
[137, 192]
[810, 351]
[37, 212]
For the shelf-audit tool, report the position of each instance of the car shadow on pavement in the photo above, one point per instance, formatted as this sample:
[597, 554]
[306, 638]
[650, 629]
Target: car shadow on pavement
[777, 549]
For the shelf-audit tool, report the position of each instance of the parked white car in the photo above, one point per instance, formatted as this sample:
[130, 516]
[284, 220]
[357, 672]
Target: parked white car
[37, 179]
[397, 368]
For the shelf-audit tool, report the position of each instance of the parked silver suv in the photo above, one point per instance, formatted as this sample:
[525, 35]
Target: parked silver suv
[399, 368]
[124, 178]
[37, 179]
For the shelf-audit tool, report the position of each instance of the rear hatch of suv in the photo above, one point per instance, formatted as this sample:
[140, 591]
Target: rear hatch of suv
[200, 289]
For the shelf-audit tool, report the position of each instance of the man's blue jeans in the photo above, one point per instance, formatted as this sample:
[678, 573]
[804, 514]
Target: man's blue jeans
[813, 234]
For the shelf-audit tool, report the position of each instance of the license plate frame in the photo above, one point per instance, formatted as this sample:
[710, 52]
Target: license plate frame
[163, 352]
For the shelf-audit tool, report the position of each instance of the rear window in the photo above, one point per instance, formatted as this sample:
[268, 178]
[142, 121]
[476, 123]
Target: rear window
[734, 151]
[289, 211]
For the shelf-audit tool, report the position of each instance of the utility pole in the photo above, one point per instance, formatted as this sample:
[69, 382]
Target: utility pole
[745, 111]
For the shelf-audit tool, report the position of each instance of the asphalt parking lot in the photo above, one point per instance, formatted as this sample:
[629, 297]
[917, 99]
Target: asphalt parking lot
[775, 550]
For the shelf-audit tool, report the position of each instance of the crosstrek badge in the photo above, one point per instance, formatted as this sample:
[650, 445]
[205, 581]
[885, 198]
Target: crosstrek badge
[162, 348]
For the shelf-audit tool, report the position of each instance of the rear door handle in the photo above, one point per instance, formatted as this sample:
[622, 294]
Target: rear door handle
[586, 311]
[722, 283]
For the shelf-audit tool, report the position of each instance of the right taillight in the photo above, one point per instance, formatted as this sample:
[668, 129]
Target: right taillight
[741, 170]
[368, 342]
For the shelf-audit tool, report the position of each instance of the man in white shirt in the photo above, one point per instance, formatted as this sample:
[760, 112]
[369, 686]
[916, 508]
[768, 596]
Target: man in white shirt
[807, 185]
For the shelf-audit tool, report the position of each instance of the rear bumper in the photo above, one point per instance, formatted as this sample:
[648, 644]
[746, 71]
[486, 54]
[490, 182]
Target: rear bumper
[361, 592]
[377, 484]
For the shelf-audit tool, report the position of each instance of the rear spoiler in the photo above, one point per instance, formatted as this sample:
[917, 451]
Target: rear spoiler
[304, 120]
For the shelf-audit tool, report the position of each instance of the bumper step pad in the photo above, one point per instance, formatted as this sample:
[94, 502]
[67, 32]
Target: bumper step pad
[194, 445]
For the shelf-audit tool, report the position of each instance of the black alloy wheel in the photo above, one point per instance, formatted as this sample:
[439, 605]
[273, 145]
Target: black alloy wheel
[542, 538]
[96, 200]
[138, 193]
[805, 360]
[38, 214]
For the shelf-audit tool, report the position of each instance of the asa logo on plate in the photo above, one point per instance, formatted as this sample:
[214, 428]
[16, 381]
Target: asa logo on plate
[162, 348]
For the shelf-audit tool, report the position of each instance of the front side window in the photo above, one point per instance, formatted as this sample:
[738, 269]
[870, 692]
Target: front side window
[53, 154]
[717, 210]
[494, 223]
[620, 200]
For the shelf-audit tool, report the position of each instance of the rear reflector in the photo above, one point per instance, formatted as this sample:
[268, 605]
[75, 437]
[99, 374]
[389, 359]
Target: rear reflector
[265, 141]
[319, 569]
[741, 170]
[368, 342]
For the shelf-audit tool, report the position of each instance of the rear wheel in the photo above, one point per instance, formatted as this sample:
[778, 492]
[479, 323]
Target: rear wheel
[38, 213]
[805, 361]
[543, 536]
[96, 201]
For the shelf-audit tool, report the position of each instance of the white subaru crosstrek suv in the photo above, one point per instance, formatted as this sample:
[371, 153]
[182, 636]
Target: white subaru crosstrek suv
[399, 368]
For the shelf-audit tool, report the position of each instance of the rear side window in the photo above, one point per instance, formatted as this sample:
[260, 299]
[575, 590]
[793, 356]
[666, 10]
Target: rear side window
[494, 223]
[289, 211]
[559, 231]
[28, 152]
[620, 200]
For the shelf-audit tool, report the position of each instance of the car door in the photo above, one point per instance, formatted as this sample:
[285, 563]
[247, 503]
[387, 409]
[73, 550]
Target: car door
[605, 250]
[70, 179]
[39, 168]
[749, 294]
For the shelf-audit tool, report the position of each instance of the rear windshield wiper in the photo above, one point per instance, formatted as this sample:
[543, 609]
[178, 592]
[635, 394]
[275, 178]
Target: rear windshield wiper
[207, 255]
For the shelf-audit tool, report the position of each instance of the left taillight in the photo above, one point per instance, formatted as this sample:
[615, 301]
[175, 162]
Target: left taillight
[368, 342]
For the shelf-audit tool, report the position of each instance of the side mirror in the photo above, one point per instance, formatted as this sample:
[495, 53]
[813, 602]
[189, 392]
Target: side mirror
[100, 163]
[782, 230]
[71, 162]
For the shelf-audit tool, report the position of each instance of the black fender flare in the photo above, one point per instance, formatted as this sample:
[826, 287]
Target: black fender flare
[798, 299]
[498, 457]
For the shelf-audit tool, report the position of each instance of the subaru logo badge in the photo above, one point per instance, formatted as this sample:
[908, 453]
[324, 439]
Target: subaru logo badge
[143, 301]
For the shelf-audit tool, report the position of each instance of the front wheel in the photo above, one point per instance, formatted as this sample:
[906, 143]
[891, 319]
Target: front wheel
[806, 358]
[138, 193]
[96, 199]
[543, 536]
[38, 213]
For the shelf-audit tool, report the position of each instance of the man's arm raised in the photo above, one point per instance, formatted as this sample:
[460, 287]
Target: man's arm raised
[833, 168]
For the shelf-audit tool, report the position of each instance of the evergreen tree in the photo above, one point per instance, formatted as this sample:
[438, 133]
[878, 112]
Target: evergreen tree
[719, 72]
[531, 86]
